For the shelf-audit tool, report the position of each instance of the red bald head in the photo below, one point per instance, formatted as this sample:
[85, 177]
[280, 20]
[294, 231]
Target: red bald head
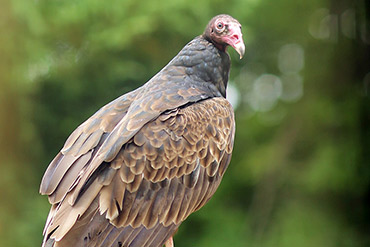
[222, 31]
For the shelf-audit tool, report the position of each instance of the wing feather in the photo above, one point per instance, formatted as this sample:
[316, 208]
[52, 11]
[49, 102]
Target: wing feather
[57, 174]
[70, 175]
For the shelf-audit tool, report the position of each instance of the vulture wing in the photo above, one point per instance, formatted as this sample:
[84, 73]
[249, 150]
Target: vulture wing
[169, 169]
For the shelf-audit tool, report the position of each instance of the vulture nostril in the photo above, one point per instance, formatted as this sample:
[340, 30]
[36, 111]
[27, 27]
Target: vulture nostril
[235, 36]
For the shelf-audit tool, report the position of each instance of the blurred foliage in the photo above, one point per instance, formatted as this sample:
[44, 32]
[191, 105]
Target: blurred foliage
[300, 171]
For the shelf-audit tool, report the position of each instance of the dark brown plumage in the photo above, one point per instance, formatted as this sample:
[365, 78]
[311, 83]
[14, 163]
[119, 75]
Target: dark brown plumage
[136, 169]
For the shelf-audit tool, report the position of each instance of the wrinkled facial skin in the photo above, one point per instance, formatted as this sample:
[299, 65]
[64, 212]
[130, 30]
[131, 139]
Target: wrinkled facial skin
[223, 31]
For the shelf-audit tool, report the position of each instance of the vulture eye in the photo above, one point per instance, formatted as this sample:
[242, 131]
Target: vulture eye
[220, 26]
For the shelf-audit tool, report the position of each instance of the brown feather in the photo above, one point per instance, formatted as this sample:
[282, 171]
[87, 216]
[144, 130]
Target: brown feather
[56, 175]
[70, 177]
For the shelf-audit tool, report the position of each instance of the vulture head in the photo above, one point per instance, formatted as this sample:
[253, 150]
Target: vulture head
[222, 31]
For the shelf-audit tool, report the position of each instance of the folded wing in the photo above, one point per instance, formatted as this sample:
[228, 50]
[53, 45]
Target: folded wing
[167, 170]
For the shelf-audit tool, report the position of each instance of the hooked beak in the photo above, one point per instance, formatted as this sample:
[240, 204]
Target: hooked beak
[235, 39]
[240, 48]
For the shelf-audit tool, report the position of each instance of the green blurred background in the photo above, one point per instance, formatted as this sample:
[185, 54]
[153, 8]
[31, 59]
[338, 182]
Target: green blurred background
[300, 172]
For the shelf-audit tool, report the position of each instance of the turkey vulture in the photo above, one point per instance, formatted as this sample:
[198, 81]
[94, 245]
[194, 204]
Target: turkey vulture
[135, 170]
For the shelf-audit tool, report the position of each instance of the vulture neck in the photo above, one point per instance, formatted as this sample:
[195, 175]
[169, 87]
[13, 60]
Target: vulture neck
[205, 65]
